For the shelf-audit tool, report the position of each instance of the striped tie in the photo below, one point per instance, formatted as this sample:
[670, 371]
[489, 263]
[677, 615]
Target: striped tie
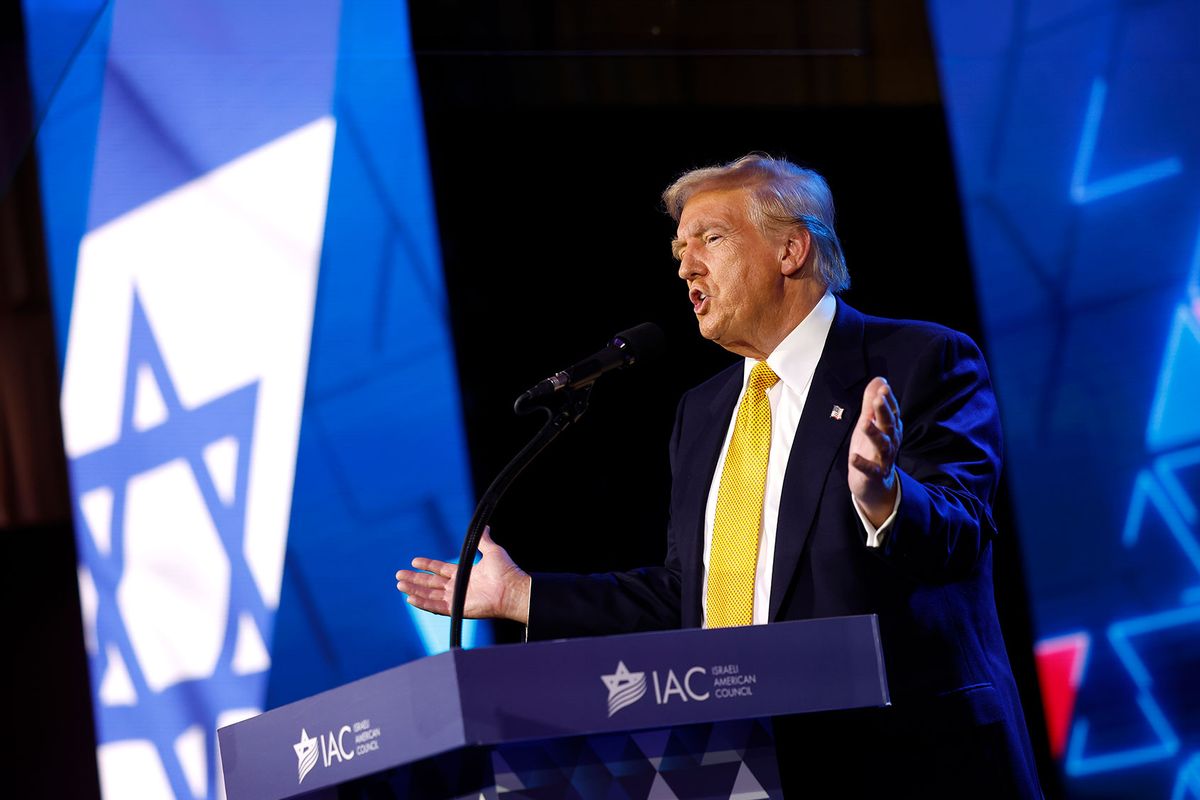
[734, 552]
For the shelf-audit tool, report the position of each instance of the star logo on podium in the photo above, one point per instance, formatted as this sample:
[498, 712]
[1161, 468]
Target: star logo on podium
[624, 687]
[306, 754]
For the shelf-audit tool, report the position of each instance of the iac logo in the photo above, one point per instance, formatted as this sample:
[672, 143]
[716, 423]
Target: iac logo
[335, 746]
[332, 747]
[625, 688]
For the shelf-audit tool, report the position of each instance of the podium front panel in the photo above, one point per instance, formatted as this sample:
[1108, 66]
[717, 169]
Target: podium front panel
[651, 680]
[395, 717]
[470, 699]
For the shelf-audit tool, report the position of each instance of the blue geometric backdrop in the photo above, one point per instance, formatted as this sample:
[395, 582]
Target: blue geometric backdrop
[1076, 128]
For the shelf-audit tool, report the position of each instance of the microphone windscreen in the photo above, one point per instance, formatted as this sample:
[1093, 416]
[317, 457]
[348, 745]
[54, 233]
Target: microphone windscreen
[643, 342]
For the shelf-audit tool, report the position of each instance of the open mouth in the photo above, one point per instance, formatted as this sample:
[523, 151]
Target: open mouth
[699, 300]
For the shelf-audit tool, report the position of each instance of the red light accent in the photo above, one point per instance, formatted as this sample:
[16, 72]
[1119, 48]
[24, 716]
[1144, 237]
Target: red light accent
[1060, 671]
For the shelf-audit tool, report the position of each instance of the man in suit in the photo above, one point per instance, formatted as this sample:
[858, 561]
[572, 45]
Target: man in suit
[846, 466]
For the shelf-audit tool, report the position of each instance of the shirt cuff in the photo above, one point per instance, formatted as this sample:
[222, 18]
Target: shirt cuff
[528, 604]
[875, 535]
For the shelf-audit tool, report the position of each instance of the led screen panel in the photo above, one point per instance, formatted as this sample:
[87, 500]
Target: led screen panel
[1076, 129]
[259, 402]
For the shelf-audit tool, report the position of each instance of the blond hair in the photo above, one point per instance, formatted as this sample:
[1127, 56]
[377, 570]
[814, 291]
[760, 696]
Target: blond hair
[781, 195]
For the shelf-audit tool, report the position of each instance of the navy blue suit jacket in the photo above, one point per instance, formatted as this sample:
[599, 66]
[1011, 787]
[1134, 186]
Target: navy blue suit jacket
[930, 582]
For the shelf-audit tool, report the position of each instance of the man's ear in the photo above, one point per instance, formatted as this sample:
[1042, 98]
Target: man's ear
[797, 251]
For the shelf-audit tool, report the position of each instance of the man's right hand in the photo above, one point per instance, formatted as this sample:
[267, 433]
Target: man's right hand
[499, 588]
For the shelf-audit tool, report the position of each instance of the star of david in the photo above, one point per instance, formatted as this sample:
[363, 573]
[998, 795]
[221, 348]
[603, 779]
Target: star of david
[621, 678]
[161, 717]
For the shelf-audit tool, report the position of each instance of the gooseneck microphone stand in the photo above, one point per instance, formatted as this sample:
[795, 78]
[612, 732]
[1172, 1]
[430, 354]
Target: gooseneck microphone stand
[574, 402]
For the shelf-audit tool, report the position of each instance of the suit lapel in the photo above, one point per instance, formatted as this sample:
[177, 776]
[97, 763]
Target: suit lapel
[699, 459]
[838, 381]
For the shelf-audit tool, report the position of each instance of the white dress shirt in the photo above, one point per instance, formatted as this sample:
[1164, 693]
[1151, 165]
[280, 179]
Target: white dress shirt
[795, 362]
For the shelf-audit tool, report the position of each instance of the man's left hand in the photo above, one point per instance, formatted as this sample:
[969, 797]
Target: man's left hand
[873, 449]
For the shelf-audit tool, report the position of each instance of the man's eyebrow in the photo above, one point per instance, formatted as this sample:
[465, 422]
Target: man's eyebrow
[697, 228]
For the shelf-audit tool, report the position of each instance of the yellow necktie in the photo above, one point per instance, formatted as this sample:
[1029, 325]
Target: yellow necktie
[734, 554]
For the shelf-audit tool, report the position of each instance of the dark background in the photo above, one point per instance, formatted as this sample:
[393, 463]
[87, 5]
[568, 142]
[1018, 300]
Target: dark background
[552, 129]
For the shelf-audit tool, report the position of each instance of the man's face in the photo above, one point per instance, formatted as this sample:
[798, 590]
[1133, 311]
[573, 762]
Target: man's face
[732, 269]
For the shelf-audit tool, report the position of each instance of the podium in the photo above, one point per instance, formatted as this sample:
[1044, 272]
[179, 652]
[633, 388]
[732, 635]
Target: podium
[667, 714]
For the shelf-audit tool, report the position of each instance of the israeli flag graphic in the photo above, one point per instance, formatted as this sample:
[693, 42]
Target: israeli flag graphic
[181, 403]
[228, 272]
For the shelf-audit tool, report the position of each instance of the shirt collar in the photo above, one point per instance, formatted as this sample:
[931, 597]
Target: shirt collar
[795, 359]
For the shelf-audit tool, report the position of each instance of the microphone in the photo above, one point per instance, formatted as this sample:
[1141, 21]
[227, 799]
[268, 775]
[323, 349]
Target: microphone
[639, 343]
